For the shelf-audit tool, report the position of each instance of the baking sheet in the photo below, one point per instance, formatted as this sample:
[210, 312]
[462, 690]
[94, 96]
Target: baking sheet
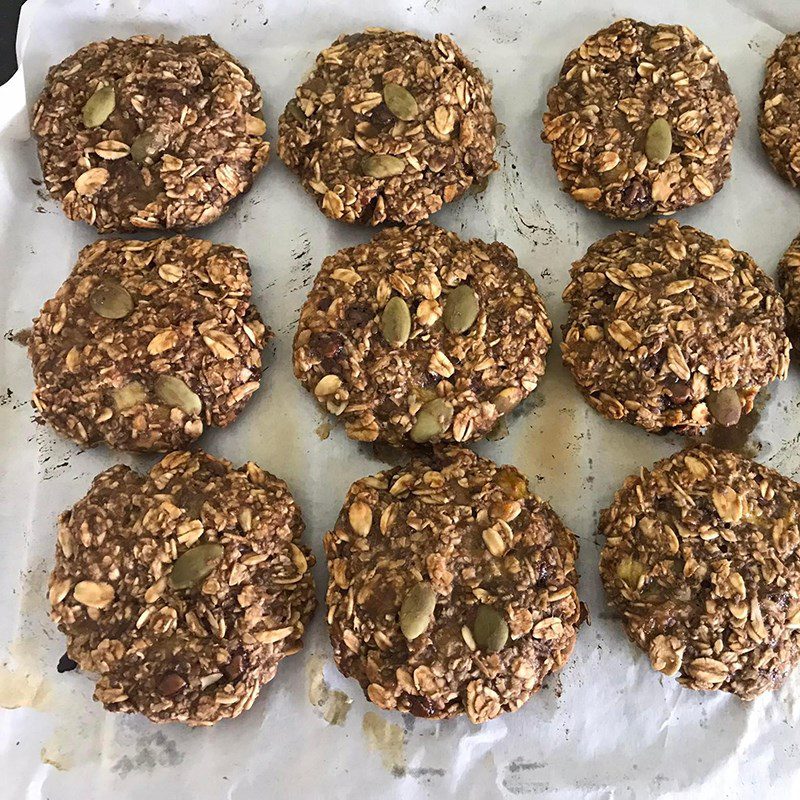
[607, 726]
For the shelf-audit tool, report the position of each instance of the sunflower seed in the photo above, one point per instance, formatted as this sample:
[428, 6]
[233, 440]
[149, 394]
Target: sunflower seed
[432, 420]
[658, 143]
[460, 309]
[194, 565]
[99, 106]
[400, 101]
[396, 322]
[174, 392]
[490, 630]
[725, 406]
[417, 610]
[111, 300]
[382, 166]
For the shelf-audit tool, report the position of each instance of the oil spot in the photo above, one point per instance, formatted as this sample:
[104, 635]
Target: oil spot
[520, 777]
[386, 739]
[22, 688]
[333, 704]
[151, 751]
[323, 431]
[52, 754]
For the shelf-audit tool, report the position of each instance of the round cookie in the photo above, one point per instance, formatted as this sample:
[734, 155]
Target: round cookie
[641, 121]
[419, 336]
[779, 120]
[146, 343]
[148, 133]
[389, 127]
[673, 329]
[789, 282]
[452, 588]
[183, 589]
[701, 562]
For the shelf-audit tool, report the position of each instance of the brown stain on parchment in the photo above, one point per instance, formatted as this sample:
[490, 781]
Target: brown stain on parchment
[333, 703]
[387, 740]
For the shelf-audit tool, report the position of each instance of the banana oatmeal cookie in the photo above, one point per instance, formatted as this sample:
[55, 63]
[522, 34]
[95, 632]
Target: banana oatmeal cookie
[389, 127]
[183, 589]
[147, 133]
[779, 121]
[420, 336]
[789, 282]
[452, 588]
[701, 561]
[673, 329]
[146, 343]
[641, 121]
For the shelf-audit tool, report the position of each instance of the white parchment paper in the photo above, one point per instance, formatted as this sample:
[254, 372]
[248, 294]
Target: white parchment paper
[608, 726]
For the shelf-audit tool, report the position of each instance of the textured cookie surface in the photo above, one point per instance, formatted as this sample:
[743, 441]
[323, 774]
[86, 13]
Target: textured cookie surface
[389, 127]
[641, 121]
[452, 588]
[789, 280]
[182, 590]
[148, 133]
[779, 121]
[701, 562]
[672, 329]
[419, 336]
[146, 343]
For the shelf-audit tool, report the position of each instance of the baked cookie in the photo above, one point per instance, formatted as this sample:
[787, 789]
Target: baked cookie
[146, 343]
[779, 121]
[183, 589]
[701, 562]
[789, 282]
[389, 127]
[420, 336]
[641, 121]
[452, 588]
[673, 329]
[147, 133]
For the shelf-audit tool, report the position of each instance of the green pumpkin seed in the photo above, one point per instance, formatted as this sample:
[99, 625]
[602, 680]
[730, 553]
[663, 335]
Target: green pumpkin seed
[111, 300]
[400, 101]
[194, 565]
[417, 610]
[294, 110]
[658, 143]
[490, 630]
[432, 420]
[130, 395]
[460, 309]
[99, 106]
[725, 406]
[396, 322]
[174, 392]
[141, 145]
[382, 166]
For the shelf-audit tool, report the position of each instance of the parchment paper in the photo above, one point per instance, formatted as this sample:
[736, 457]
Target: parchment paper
[608, 726]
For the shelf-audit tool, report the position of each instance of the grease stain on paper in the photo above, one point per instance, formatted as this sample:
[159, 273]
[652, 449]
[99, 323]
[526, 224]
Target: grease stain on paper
[151, 751]
[22, 688]
[386, 739]
[333, 704]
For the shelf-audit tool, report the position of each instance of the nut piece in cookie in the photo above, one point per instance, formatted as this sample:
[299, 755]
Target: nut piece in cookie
[147, 343]
[673, 329]
[641, 121]
[421, 337]
[182, 590]
[148, 133]
[789, 283]
[452, 588]
[701, 563]
[389, 127]
[779, 120]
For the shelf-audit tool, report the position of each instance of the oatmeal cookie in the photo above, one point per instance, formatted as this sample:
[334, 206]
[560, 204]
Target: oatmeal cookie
[673, 329]
[389, 127]
[183, 589]
[146, 343]
[789, 281]
[701, 561]
[779, 121]
[452, 588]
[420, 336]
[641, 121]
[147, 133]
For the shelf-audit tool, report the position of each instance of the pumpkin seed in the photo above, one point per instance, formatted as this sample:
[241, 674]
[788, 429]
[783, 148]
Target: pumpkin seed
[294, 110]
[417, 610]
[432, 420]
[396, 321]
[174, 392]
[400, 101]
[128, 396]
[99, 106]
[194, 565]
[490, 630]
[111, 300]
[725, 406]
[141, 145]
[460, 309]
[658, 143]
[382, 166]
